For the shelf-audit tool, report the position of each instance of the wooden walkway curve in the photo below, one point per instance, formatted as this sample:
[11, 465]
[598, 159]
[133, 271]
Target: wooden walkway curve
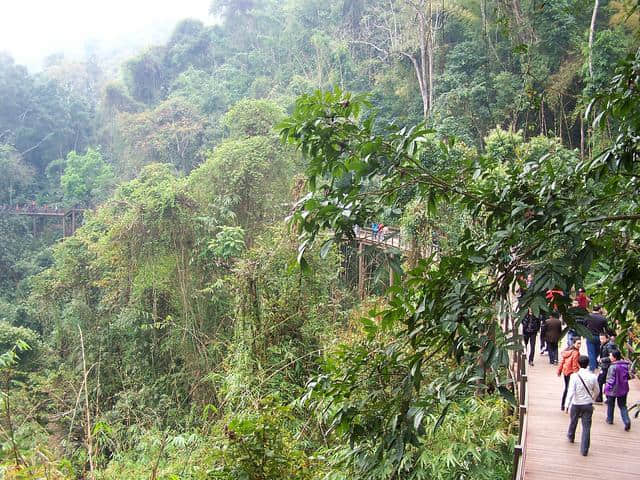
[549, 456]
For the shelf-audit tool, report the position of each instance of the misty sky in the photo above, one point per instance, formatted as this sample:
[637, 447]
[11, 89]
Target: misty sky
[33, 29]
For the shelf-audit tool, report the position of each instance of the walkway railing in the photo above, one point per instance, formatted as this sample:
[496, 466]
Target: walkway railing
[71, 217]
[518, 373]
[390, 237]
[520, 379]
[34, 210]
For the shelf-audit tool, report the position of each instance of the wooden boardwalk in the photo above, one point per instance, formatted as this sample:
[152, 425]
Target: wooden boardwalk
[549, 455]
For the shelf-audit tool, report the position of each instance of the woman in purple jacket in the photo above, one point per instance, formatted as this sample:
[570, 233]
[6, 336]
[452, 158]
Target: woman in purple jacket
[617, 388]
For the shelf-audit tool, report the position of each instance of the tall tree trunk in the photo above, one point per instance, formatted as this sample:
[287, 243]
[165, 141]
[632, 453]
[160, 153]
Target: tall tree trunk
[581, 136]
[422, 65]
[592, 29]
[88, 429]
[430, 48]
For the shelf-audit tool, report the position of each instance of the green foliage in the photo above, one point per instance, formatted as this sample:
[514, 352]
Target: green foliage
[185, 287]
[16, 338]
[229, 242]
[501, 145]
[249, 118]
[261, 445]
[116, 99]
[144, 76]
[17, 175]
[536, 204]
[471, 443]
[171, 133]
[203, 90]
[86, 179]
[15, 261]
[253, 175]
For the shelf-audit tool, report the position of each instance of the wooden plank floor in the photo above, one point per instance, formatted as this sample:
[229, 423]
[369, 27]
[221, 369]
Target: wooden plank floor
[549, 455]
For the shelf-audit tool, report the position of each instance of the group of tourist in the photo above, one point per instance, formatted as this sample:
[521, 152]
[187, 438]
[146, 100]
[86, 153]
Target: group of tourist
[584, 385]
[379, 231]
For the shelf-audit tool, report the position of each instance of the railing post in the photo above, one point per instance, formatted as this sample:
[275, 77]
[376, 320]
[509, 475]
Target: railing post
[361, 270]
[517, 452]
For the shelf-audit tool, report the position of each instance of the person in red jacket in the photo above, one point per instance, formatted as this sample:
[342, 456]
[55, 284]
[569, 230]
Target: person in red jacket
[582, 299]
[569, 365]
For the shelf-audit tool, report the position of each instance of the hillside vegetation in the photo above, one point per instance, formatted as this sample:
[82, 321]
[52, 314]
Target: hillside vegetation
[204, 321]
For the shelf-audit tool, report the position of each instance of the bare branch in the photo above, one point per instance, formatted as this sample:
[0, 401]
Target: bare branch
[612, 218]
[372, 45]
[46, 137]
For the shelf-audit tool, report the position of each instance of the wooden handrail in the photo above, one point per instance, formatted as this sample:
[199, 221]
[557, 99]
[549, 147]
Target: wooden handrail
[72, 215]
[518, 369]
[520, 451]
[37, 211]
[390, 238]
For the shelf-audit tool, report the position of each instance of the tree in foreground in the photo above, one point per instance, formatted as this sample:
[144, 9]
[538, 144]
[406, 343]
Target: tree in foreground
[532, 205]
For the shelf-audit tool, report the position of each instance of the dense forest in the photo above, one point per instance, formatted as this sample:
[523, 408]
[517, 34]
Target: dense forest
[204, 321]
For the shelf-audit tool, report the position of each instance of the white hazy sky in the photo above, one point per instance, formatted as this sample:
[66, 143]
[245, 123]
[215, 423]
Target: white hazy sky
[33, 29]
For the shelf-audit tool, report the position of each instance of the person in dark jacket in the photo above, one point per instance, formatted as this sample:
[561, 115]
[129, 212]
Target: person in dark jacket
[608, 346]
[553, 331]
[543, 334]
[597, 324]
[530, 327]
[617, 388]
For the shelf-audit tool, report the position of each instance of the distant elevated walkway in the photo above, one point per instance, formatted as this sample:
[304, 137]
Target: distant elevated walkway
[71, 217]
[391, 238]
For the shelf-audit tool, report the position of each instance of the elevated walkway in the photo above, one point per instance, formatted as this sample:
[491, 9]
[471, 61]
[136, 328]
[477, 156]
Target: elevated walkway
[392, 238]
[614, 453]
[69, 217]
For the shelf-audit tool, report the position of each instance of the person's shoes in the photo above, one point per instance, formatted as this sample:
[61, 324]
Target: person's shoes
[610, 422]
[584, 454]
[531, 364]
[571, 440]
[562, 408]
[542, 352]
[598, 400]
[627, 427]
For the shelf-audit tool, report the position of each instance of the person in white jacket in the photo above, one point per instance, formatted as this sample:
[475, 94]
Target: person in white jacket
[583, 389]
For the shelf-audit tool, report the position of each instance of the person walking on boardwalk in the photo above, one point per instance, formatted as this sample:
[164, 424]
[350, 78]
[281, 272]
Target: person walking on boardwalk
[608, 346]
[572, 334]
[597, 324]
[543, 334]
[552, 331]
[582, 299]
[530, 327]
[617, 388]
[583, 388]
[374, 231]
[569, 365]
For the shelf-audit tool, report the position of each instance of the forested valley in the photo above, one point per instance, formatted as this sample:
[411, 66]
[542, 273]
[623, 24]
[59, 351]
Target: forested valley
[204, 318]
